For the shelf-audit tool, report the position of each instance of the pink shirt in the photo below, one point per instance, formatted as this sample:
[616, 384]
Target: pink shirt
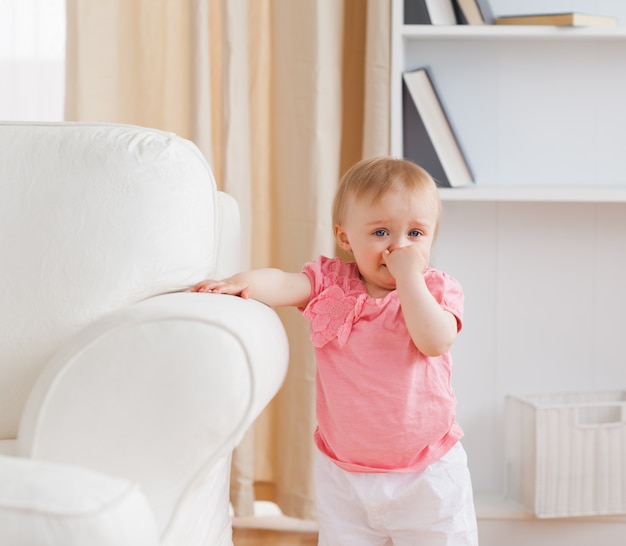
[381, 404]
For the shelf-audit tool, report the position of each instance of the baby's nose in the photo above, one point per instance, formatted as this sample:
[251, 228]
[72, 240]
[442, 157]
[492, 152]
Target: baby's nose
[397, 242]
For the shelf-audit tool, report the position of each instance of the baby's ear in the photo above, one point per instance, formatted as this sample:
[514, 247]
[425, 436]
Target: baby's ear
[342, 239]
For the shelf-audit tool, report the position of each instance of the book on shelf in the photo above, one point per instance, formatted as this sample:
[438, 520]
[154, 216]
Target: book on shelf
[474, 12]
[573, 19]
[429, 12]
[428, 137]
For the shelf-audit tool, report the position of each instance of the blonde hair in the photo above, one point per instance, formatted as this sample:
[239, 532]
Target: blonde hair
[372, 178]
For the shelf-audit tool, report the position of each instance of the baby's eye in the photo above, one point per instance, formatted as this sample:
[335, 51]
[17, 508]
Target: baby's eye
[380, 233]
[415, 233]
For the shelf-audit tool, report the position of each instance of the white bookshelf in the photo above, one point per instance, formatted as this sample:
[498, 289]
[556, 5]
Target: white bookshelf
[539, 242]
[495, 32]
[539, 106]
[530, 194]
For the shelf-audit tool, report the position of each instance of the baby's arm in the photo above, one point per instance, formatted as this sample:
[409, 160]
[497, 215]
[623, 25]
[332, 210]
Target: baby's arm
[273, 287]
[432, 329]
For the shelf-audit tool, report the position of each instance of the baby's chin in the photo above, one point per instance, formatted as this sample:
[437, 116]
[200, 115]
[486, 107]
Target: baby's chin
[378, 288]
[387, 284]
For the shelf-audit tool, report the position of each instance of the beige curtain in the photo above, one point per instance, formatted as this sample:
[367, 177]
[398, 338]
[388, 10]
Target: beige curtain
[282, 96]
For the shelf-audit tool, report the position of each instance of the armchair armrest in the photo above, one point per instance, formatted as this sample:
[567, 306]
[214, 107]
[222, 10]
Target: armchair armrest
[158, 392]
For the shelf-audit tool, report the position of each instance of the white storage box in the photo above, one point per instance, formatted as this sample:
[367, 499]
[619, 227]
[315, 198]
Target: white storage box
[566, 453]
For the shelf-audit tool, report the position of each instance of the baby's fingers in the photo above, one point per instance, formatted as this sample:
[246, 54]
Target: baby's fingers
[205, 286]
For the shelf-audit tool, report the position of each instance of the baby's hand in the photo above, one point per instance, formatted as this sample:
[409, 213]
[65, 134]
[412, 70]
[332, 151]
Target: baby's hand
[231, 286]
[406, 260]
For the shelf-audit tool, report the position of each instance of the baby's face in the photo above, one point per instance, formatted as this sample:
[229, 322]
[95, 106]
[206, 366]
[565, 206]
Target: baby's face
[398, 219]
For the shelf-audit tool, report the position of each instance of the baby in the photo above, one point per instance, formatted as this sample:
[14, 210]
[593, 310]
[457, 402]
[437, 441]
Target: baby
[389, 466]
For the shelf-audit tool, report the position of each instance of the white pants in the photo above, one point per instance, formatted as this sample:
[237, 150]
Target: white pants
[433, 507]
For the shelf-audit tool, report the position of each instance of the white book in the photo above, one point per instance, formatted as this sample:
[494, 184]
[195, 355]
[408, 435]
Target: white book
[441, 12]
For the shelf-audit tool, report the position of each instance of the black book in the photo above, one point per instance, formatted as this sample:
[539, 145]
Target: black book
[429, 12]
[428, 137]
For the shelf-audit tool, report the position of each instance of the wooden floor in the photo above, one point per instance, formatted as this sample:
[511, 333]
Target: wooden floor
[269, 537]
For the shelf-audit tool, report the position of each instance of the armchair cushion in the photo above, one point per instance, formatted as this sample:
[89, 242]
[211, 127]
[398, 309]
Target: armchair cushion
[44, 503]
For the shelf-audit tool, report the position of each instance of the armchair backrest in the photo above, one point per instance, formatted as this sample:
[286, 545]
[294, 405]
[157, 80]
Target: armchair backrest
[94, 217]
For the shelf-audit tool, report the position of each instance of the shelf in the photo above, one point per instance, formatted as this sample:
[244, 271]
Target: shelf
[429, 32]
[496, 506]
[535, 194]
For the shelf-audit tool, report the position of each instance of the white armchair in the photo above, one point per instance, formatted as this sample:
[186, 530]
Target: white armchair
[122, 394]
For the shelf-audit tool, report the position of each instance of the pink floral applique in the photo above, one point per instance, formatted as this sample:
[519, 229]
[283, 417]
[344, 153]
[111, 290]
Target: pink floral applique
[332, 314]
